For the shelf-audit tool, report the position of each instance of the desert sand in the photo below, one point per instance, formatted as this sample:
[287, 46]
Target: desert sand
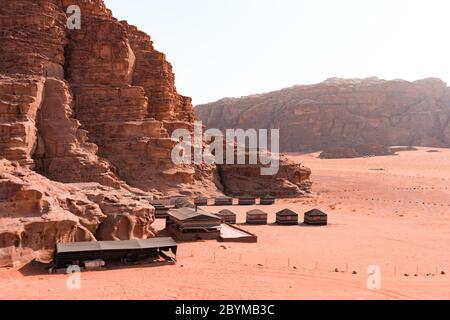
[392, 212]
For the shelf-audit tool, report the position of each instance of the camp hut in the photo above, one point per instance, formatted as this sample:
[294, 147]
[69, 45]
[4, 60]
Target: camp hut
[84, 254]
[316, 217]
[267, 200]
[227, 216]
[287, 217]
[223, 201]
[256, 217]
[201, 201]
[247, 201]
[186, 224]
[161, 211]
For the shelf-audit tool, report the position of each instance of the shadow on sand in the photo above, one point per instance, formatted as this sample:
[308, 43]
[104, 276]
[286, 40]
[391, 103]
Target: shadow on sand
[34, 268]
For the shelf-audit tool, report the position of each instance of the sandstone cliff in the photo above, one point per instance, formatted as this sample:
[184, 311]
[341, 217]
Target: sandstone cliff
[86, 118]
[343, 113]
[292, 180]
[36, 212]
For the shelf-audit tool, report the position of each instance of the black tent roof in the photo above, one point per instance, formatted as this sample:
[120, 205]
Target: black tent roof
[287, 212]
[316, 212]
[227, 212]
[256, 212]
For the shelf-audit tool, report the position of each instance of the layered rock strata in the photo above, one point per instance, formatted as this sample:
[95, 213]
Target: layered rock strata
[36, 213]
[343, 113]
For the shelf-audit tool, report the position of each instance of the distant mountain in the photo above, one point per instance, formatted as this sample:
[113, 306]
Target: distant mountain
[341, 113]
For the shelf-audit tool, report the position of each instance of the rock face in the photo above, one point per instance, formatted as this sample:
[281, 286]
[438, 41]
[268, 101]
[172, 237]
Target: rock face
[86, 118]
[343, 113]
[36, 213]
[291, 180]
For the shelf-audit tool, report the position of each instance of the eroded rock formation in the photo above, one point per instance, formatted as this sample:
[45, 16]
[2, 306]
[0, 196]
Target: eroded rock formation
[86, 118]
[343, 113]
[291, 180]
[36, 213]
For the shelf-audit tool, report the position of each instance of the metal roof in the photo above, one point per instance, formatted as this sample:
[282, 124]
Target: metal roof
[184, 214]
[230, 232]
[115, 245]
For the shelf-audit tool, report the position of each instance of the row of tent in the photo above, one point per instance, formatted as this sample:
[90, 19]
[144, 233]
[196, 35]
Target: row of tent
[266, 200]
[162, 210]
[283, 217]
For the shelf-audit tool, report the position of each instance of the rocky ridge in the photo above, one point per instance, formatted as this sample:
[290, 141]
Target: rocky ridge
[343, 113]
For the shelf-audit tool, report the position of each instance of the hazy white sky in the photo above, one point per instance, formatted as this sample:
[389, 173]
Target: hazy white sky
[231, 48]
